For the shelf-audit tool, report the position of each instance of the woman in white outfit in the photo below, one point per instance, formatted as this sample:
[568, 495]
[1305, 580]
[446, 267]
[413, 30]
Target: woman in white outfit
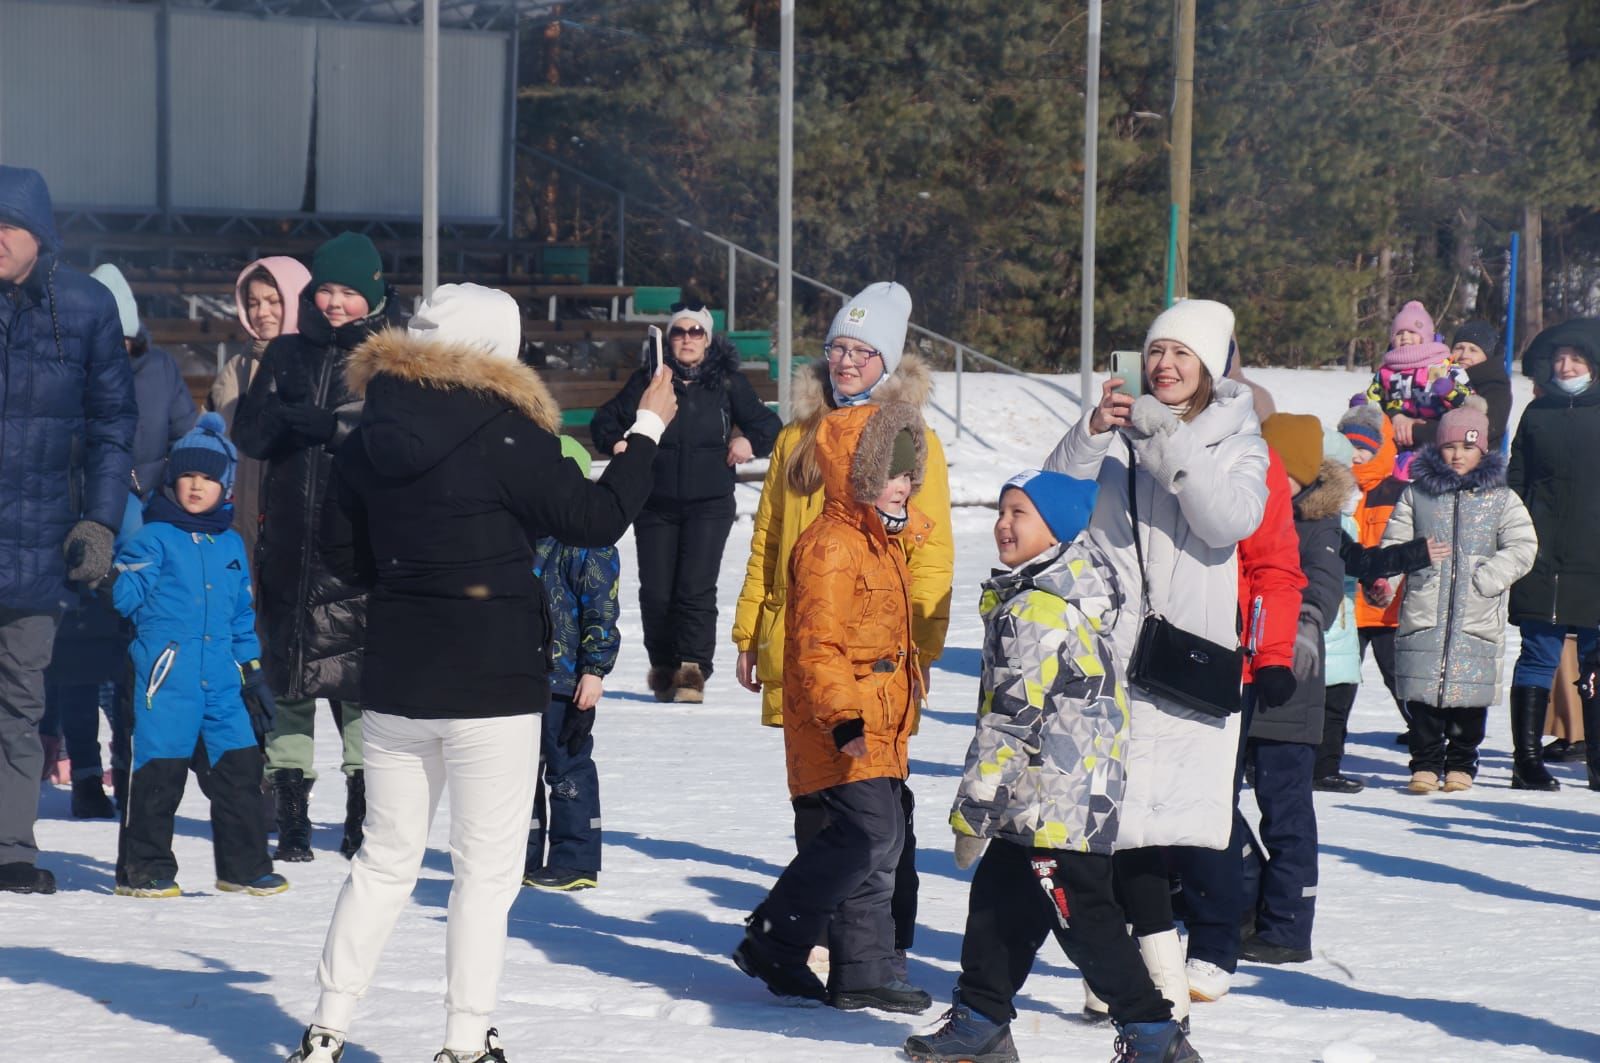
[1200, 469]
[454, 471]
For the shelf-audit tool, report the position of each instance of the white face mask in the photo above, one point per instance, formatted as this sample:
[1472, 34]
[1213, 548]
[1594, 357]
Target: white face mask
[1576, 385]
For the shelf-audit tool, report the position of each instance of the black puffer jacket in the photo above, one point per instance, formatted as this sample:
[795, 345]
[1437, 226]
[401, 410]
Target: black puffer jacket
[692, 462]
[1554, 471]
[312, 621]
[1316, 524]
[454, 472]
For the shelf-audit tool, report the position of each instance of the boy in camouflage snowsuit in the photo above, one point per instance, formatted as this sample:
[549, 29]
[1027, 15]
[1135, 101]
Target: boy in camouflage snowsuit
[1044, 779]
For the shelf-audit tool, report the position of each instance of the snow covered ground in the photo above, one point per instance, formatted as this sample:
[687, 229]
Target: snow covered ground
[1454, 927]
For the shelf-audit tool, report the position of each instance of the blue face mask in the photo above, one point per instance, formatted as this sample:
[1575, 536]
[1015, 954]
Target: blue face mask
[1576, 385]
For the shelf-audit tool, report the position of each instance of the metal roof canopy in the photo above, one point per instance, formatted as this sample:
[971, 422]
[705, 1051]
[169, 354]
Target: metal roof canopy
[453, 14]
[502, 16]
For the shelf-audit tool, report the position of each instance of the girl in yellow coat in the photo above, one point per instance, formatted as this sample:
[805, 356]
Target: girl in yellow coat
[863, 362]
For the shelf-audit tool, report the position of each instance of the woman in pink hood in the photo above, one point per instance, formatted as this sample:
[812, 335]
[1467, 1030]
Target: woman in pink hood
[1418, 380]
[267, 296]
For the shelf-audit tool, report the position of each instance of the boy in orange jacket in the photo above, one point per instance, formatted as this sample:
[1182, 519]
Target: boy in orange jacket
[851, 686]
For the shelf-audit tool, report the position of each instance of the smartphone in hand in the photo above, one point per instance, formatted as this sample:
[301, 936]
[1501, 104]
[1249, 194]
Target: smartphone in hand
[650, 356]
[1129, 366]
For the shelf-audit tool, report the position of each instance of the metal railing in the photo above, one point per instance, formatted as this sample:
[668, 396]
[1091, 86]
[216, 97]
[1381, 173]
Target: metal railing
[960, 351]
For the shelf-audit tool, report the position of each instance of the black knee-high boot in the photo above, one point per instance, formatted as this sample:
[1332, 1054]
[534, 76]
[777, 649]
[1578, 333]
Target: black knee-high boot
[1528, 708]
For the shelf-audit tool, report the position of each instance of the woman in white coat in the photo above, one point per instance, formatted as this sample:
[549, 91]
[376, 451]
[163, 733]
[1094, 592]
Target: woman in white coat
[1200, 469]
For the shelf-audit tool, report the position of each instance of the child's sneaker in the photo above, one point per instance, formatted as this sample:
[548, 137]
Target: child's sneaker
[964, 1037]
[896, 996]
[265, 886]
[1207, 981]
[491, 1052]
[155, 887]
[1456, 781]
[560, 878]
[1423, 782]
[319, 1045]
[1153, 1042]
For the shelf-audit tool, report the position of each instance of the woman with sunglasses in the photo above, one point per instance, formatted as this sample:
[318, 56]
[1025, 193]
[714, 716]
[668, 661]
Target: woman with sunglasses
[681, 532]
[863, 361]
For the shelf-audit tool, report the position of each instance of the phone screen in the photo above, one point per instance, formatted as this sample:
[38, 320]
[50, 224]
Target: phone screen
[1129, 366]
[650, 357]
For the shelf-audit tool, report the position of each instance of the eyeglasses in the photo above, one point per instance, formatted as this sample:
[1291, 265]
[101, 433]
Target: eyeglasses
[693, 308]
[694, 332]
[857, 356]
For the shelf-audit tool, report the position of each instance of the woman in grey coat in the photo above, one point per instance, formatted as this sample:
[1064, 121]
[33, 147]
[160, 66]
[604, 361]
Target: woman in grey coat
[1451, 642]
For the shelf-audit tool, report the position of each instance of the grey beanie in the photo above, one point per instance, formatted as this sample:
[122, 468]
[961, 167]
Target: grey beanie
[878, 316]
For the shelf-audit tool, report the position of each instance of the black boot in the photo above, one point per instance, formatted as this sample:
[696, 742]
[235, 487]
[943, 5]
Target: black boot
[89, 800]
[1589, 692]
[294, 818]
[1528, 707]
[355, 812]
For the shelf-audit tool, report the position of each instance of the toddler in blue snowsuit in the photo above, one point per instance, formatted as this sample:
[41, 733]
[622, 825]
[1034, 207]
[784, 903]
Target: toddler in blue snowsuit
[580, 586]
[184, 582]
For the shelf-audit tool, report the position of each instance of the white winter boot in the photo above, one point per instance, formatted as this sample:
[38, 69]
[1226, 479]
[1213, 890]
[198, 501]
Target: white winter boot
[1163, 958]
[1094, 1009]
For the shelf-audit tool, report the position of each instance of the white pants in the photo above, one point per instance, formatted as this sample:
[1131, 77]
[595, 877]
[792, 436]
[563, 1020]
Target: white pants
[488, 766]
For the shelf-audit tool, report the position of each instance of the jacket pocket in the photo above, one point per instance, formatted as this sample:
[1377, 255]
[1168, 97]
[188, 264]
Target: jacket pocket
[1419, 605]
[1485, 617]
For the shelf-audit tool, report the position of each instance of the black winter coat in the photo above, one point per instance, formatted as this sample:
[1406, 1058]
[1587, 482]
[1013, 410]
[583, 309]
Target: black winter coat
[1554, 471]
[1316, 522]
[1489, 382]
[312, 622]
[438, 496]
[692, 461]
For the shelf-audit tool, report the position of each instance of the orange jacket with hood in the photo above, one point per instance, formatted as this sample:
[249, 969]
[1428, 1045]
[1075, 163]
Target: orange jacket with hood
[1380, 490]
[849, 656]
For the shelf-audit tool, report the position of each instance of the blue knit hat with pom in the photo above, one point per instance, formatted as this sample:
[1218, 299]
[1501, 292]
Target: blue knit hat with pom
[1064, 502]
[205, 449]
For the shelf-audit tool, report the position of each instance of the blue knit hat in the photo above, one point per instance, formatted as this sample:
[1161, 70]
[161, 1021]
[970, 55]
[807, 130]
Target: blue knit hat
[1064, 502]
[205, 449]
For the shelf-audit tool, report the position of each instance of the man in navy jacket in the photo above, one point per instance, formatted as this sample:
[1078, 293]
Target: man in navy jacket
[66, 436]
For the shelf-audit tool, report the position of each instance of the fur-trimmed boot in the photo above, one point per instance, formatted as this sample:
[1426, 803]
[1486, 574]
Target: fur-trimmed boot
[662, 683]
[691, 684]
[1528, 707]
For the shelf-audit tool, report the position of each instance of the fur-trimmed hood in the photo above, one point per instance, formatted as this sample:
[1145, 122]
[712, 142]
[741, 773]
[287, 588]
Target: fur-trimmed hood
[1432, 474]
[1326, 498]
[423, 398]
[911, 383]
[855, 447]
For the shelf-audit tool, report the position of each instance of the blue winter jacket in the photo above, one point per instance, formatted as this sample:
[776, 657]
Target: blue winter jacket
[66, 425]
[580, 586]
[188, 595]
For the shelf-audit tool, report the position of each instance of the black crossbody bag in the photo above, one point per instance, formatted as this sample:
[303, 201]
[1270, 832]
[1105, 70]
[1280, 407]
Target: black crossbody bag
[1173, 663]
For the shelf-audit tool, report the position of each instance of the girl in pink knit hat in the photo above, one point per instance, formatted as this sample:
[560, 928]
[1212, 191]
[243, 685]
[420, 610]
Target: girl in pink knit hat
[1417, 381]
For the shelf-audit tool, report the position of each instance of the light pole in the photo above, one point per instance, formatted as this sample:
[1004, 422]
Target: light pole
[430, 147]
[785, 205]
[1091, 158]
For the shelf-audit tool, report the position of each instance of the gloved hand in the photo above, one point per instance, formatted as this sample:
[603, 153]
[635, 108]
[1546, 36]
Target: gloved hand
[309, 421]
[575, 727]
[1274, 685]
[1588, 681]
[1307, 647]
[89, 549]
[258, 700]
[1150, 430]
[969, 849]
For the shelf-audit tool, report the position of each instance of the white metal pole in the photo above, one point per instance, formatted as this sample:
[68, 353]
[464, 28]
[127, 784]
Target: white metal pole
[430, 147]
[785, 205]
[1091, 151]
